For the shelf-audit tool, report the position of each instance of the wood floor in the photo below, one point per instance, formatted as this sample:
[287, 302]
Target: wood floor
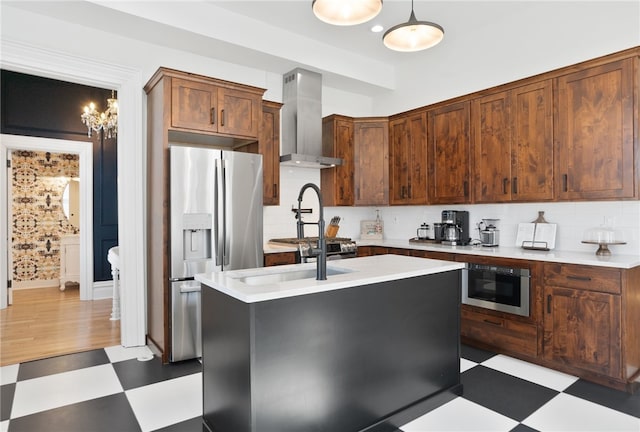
[46, 322]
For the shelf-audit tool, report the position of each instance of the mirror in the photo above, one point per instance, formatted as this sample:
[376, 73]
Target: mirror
[71, 202]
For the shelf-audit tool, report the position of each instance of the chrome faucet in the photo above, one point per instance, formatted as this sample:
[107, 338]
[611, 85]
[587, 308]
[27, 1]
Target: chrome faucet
[321, 251]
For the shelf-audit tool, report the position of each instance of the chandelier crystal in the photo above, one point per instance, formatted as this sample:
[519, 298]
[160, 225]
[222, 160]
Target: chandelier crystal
[106, 121]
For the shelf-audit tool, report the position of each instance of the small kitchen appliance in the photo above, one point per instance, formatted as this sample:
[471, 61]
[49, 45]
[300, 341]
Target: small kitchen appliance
[455, 227]
[422, 233]
[489, 232]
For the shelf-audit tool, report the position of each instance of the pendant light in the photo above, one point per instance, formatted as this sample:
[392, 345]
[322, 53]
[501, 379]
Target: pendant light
[413, 35]
[346, 12]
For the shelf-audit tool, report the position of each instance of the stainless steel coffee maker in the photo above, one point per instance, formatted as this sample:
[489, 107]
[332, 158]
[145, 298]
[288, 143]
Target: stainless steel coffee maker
[455, 227]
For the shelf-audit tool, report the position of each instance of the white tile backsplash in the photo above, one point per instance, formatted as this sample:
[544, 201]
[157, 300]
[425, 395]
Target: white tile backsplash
[401, 222]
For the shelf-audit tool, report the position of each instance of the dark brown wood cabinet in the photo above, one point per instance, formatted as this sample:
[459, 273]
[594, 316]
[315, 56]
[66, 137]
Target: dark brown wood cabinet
[337, 141]
[279, 258]
[268, 145]
[214, 106]
[408, 171]
[371, 161]
[590, 322]
[449, 142]
[594, 131]
[363, 177]
[512, 141]
[582, 318]
[269, 148]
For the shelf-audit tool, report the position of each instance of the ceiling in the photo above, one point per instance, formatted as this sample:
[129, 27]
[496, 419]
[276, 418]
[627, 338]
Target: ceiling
[278, 36]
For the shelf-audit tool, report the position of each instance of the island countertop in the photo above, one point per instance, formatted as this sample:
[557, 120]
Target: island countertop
[254, 285]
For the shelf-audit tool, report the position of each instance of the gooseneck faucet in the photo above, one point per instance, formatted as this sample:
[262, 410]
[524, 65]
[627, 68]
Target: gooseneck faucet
[321, 251]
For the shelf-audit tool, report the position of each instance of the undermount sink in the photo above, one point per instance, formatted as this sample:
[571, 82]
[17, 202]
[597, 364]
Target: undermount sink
[285, 276]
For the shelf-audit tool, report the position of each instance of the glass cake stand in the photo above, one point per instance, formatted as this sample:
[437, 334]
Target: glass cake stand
[603, 249]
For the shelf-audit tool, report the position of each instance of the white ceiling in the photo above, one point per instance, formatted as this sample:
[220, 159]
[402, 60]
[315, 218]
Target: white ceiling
[278, 36]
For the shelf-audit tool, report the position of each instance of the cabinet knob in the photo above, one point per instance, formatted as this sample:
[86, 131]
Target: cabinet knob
[222, 118]
[213, 115]
[514, 185]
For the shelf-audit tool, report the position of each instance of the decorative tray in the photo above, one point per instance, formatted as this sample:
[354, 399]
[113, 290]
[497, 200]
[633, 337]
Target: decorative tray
[419, 240]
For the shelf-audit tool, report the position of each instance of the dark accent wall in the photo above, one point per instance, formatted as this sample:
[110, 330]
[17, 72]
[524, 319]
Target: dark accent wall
[48, 108]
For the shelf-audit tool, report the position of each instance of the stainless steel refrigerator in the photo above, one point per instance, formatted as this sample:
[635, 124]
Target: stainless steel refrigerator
[216, 225]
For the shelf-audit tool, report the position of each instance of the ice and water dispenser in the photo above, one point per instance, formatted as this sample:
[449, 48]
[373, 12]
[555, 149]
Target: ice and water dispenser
[196, 241]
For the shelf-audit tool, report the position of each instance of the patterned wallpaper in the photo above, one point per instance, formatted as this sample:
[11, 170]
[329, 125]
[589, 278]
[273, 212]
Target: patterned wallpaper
[38, 222]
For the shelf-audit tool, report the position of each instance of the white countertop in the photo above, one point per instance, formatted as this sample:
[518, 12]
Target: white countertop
[357, 272]
[565, 257]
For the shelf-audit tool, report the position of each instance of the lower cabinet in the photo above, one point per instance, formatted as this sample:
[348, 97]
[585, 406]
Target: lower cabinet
[280, 258]
[499, 333]
[582, 318]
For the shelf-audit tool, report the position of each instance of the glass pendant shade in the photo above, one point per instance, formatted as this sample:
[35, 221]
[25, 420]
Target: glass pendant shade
[346, 12]
[413, 35]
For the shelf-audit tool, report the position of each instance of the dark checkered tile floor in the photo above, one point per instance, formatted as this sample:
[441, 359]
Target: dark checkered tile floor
[115, 390]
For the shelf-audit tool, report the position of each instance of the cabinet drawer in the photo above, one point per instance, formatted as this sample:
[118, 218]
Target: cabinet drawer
[599, 279]
[280, 258]
[505, 334]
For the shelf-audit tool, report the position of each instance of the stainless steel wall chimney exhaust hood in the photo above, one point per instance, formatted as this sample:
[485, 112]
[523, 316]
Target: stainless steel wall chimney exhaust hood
[302, 121]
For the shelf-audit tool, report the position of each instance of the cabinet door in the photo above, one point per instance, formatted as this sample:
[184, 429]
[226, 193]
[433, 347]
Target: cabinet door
[582, 329]
[594, 133]
[532, 142]
[408, 160]
[337, 141]
[449, 160]
[239, 112]
[269, 145]
[371, 162]
[492, 148]
[193, 105]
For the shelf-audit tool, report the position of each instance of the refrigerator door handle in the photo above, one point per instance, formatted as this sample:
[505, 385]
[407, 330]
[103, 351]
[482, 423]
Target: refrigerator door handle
[225, 237]
[216, 211]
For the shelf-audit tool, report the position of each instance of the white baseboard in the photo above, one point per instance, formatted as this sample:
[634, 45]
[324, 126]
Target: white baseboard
[102, 290]
[40, 283]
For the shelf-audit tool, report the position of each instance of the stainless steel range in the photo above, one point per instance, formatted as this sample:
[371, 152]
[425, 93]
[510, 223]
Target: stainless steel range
[337, 247]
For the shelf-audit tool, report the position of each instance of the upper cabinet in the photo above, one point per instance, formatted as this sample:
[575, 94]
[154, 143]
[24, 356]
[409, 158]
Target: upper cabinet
[337, 141]
[363, 177]
[268, 145]
[512, 141]
[371, 161]
[213, 106]
[408, 159]
[594, 132]
[448, 143]
[269, 148]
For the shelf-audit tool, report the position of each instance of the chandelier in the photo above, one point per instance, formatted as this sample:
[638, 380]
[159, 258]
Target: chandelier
[106, 121]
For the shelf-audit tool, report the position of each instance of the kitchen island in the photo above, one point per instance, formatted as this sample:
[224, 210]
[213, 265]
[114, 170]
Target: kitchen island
[374, 346]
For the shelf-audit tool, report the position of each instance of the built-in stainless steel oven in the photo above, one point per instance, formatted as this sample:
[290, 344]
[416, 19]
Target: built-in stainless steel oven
[504, 289]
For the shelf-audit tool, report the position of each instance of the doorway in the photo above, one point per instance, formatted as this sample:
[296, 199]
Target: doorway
[51, 321]
[57, 64]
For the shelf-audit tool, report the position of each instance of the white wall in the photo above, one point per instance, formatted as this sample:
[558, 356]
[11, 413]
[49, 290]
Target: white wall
[561, 34]
[401, 222]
